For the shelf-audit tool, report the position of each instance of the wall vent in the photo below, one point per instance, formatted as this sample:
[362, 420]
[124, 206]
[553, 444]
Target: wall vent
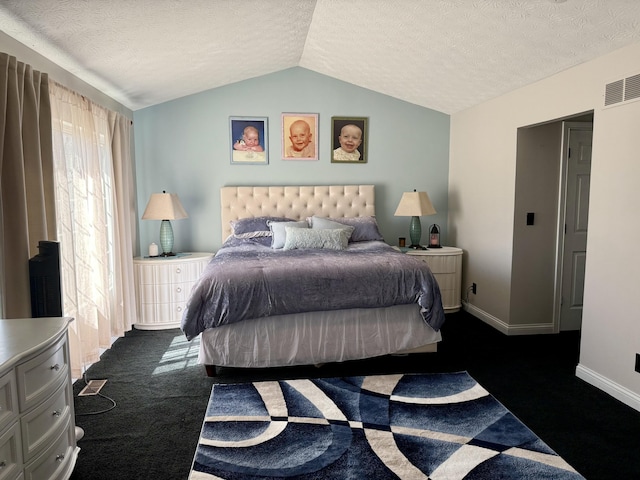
[622, 90]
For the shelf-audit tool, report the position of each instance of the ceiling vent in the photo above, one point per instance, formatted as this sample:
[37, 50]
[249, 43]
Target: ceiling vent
[623, 90]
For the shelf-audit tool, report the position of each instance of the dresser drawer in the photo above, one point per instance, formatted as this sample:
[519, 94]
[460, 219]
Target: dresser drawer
[38, 378]
[44, 423]
[8, 399]
[57, 459]
[10, 453]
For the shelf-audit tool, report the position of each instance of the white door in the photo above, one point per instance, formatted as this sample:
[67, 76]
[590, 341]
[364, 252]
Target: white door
[576, 216]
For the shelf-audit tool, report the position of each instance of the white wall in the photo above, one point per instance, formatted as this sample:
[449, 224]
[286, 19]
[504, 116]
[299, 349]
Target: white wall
[482, 199]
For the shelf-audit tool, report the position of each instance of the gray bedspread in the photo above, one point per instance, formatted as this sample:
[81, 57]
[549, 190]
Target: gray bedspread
[251, 281]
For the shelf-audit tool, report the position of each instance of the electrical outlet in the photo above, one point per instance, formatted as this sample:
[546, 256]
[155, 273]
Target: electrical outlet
[473, 288]
[638, 362]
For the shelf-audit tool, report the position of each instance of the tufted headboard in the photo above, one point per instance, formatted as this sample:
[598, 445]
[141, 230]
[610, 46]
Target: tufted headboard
[297, 202]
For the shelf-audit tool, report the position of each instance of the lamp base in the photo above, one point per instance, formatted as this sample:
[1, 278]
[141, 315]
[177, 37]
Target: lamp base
[167, 254]
[417, 247]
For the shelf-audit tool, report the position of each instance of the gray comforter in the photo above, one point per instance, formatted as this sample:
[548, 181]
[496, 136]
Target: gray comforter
[247, 281]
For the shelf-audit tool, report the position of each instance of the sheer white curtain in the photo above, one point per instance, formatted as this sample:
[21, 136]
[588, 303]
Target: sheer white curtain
[94, 211]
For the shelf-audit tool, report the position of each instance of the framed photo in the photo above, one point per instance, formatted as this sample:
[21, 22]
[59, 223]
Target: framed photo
[249, 140]
[349, 139]
[300, 136]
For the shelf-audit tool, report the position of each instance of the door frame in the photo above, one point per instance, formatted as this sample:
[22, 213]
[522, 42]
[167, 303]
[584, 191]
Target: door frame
[562, 209]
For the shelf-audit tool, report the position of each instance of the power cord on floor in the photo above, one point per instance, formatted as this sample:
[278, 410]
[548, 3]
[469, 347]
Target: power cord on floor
[99, 412]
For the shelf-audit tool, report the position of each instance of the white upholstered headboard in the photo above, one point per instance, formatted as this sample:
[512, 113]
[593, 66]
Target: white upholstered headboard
[297, 202]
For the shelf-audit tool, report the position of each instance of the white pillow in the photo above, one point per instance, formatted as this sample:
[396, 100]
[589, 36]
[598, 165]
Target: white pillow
[303, 238]
[279, 234]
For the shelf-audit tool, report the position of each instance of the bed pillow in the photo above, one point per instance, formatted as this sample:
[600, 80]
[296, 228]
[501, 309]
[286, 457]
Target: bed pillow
[325, 223]
[365, 228]
[279, 234]
[254, 226]
[304, 238]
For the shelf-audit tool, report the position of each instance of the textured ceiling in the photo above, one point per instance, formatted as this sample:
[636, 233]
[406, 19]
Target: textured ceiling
[447, 55]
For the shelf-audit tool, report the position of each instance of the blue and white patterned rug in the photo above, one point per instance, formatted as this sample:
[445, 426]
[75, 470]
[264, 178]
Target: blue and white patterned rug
[432, 426]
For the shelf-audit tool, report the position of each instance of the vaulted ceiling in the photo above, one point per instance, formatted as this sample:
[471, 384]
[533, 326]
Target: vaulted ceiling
[446, 55]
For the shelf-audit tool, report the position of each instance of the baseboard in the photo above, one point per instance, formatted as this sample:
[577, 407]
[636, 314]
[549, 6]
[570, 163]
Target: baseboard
[525, 329]
[617, 391]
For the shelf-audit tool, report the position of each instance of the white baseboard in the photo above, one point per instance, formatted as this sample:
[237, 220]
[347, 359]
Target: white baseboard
[526, 329]
[617, 391]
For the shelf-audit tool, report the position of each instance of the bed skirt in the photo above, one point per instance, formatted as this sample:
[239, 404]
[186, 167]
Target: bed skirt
[318, 337]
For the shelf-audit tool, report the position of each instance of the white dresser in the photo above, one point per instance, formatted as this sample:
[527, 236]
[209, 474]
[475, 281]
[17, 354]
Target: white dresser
[37, 422]
[163, 285]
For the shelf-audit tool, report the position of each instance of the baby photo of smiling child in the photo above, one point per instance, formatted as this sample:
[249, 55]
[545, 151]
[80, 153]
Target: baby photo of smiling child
[300, 136]
[349, 136]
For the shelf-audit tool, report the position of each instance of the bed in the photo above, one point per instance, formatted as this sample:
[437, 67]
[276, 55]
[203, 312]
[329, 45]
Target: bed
[309, 309]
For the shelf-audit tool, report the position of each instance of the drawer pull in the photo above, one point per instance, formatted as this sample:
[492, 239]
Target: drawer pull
[178, 289]
[55, 367]
[179, 309]
[178, 270]
[56, 413]
[60, 458]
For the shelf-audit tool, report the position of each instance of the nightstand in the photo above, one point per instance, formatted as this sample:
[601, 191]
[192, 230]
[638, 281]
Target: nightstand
[163, 285]
[446, 265]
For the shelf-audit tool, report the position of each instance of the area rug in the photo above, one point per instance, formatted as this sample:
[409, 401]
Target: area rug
[431, 426]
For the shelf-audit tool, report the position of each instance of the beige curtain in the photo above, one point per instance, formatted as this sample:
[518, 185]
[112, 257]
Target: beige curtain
[95, 212]
[27, 212]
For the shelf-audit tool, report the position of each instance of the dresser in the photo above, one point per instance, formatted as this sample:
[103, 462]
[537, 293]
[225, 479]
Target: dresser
[446, 265]
[163, 285]
[37, 423]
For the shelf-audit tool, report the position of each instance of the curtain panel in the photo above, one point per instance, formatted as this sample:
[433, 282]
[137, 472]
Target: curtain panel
[27, 213]
[95, 214]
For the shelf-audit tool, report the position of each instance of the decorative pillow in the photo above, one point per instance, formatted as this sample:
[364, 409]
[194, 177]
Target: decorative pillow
[329, 238]
[365, 228]
[254, 226]
[279, 233]
[325, 223]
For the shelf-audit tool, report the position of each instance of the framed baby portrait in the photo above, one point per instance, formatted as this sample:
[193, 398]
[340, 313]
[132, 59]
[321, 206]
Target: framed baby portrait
[349, 139]
[300, 136]
[249, 140]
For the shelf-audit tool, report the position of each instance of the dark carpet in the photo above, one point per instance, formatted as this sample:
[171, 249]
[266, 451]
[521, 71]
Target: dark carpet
[161, 396]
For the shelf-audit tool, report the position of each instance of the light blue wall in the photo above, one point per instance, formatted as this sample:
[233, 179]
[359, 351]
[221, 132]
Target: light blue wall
[183, 147]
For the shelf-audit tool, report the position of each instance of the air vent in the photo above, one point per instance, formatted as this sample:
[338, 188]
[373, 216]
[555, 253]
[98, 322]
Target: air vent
[632, 87]
[622, 90]
[613, 92]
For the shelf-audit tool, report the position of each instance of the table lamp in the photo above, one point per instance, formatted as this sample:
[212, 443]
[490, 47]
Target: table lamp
[415, 205]
[166, 207]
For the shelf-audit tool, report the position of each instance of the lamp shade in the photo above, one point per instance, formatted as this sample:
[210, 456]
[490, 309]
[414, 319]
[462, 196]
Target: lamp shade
[164, 206]
[415, 204]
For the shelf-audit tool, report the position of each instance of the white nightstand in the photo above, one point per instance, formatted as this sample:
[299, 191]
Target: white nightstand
[163, 285]
[446, 265]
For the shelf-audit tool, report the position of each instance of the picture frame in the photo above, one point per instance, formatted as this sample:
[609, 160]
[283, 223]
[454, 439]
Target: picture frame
[353, 150]
[299, 136]
[249, 140]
